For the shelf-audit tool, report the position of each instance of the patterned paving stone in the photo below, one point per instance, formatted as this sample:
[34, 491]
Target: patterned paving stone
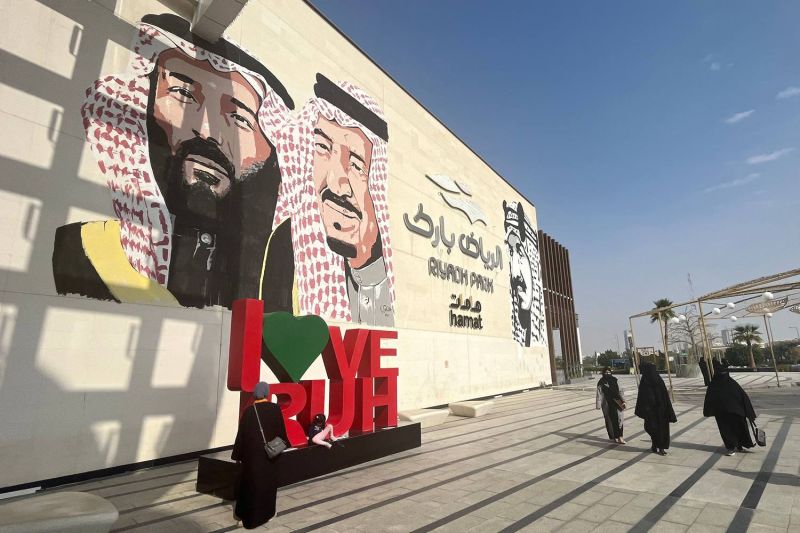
[553, 471]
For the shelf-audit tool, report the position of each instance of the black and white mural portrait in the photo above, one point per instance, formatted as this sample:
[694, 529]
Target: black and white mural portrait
[527, 303]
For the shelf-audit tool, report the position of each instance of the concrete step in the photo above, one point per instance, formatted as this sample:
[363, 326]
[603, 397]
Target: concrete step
[426, 417]
[471, 408]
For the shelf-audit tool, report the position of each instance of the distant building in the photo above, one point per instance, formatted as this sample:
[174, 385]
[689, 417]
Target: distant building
[727, 337]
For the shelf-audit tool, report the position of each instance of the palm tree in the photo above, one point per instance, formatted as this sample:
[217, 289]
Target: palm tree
[747, 334]
[665, 315]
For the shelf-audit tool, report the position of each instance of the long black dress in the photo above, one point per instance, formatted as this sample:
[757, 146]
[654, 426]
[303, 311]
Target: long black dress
[258, 486]
[729, 404]
[704, 370]
[654, 406]
[608, 392]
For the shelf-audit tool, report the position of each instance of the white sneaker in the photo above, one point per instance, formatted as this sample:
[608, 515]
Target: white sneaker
[730, 453]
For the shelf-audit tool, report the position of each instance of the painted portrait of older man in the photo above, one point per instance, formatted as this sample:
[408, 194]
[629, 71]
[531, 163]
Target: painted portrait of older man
[332, 216]
[527, 297]
[186, 143]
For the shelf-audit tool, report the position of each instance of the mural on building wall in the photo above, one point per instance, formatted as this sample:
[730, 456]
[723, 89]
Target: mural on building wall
[332, 209]
[527, 306]
[220, 193]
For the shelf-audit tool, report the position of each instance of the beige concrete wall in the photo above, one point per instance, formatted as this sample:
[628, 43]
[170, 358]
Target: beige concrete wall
[87, 384]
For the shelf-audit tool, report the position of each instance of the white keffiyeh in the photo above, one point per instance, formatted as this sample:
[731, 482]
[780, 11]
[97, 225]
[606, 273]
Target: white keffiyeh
[320, 272]
[115, 120]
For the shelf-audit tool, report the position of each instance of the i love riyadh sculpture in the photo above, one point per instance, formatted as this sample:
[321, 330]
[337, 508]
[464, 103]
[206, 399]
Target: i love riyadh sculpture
[362, 394]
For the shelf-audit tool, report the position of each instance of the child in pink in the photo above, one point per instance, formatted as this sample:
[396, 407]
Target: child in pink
[320, 433]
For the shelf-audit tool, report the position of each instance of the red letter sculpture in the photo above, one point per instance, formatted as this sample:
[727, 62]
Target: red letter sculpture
[291, 400]
[363, 394]
[244, 354]
[376, 387]
[315, 401]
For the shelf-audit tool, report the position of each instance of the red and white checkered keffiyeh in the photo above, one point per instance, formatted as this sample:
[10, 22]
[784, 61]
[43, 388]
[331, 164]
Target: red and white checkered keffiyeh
[114, 117]
[320, 272]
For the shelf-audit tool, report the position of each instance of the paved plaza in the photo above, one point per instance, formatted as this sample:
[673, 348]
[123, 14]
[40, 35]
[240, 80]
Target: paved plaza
[541, 461]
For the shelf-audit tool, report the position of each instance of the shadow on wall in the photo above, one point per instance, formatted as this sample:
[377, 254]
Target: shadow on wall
[99, 417]
[185, 141]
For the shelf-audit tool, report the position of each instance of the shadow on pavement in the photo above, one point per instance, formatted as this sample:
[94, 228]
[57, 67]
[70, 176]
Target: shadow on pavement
[775, 478]
[605, 443]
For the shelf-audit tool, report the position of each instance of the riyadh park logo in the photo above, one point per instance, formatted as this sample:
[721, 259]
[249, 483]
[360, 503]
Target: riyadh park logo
[458, 196]
[362, 395]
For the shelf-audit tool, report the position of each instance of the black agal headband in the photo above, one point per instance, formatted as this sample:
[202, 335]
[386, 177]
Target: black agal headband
[327, 90]
[180, 28]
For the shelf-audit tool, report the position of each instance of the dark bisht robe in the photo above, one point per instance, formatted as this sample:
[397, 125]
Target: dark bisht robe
[608, 394]
[704, 371]
[729, 404]
[258, 485]
[654, 406]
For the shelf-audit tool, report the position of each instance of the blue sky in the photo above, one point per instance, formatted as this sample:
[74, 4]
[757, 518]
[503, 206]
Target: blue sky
[656, 139]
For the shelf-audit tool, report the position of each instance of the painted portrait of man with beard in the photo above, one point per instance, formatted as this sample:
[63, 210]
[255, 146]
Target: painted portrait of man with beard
[332, 216]
[527, 311]
[186, 144]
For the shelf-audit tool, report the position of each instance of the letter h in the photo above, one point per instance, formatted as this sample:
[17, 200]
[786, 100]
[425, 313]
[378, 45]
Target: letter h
[376, 387]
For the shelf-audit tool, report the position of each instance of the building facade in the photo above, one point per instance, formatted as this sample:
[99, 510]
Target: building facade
[154, 177]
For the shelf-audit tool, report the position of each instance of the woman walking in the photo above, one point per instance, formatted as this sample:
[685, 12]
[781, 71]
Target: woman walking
[258, 485]
[730, 406]
[611, 401]
[653, 405]
[704, 371]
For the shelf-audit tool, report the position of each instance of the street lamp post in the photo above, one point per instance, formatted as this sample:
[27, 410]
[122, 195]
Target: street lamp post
[635, 354]
[661, 322]
[771, 351]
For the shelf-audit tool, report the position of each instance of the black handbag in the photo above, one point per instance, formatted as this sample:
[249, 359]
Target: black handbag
[274, 447]
[758, 433]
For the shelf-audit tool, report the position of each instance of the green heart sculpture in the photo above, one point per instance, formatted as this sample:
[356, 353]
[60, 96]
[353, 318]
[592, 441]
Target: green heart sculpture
[292, 343]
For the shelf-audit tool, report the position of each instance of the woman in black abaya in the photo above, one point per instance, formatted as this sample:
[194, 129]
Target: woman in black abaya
[727, 402]
[653, 405]
[258, 485]
[612, 402]
[704, 370]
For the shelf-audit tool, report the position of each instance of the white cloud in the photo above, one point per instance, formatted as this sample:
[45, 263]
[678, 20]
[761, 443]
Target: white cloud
[788, 92]
[766, 158]
[715, 62]
[738, 182]
[737, 117]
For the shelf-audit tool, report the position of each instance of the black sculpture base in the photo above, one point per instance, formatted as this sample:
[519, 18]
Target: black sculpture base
[216, 472]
